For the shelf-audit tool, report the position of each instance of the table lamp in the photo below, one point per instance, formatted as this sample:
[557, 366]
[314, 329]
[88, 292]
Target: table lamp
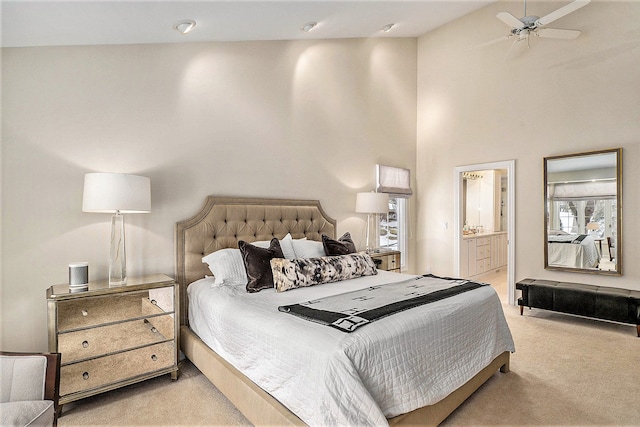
[593, 227]
[371, 203]
[116, 193]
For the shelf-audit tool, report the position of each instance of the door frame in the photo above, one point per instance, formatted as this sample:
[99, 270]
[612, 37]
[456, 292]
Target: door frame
[510, 166]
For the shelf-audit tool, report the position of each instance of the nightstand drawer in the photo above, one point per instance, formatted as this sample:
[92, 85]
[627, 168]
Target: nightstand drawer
[107, 370]
[88, 343]
[389, 262]
[92, 311]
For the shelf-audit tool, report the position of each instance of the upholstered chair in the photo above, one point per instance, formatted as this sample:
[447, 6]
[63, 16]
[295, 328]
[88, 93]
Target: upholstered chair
[29, 389]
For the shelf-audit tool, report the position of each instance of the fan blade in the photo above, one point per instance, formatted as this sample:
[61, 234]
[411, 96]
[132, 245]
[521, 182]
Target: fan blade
[510, 20]
[559, 13]
[517, 48]
[555, 33]
[494, 41]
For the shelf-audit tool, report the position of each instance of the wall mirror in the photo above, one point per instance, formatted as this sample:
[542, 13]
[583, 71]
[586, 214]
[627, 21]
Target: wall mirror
[583, 207]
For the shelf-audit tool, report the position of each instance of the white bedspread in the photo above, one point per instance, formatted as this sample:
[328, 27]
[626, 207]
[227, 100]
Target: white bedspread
[328, 377]
[561, 253]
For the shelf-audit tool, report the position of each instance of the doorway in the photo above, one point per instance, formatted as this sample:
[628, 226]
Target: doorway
[504, 207]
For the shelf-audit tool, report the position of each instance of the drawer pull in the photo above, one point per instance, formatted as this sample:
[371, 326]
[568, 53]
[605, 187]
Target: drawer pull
[154, 357]
[85, 313]
[154, 302]
[153, 329]
[85, 344]
[85, 375]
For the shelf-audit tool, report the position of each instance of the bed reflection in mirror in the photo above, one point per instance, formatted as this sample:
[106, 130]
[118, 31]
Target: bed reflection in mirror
[583, 201]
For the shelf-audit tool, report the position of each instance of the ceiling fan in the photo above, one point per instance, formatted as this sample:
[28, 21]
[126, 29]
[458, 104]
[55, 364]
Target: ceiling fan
[522, 28]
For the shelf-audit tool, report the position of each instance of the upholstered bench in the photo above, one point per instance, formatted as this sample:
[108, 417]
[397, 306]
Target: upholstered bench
[618, 305]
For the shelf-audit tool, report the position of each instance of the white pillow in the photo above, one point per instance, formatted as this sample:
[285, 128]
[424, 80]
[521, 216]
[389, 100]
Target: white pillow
[227, 267]
[285, 245]
[308, 248]
[556, 232]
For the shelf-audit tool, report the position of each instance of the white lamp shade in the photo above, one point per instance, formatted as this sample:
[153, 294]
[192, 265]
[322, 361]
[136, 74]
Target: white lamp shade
[111, 192]
[372, 203]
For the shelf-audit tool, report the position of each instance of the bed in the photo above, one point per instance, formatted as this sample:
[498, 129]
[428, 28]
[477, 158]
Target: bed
[220, 224]
[572, 250]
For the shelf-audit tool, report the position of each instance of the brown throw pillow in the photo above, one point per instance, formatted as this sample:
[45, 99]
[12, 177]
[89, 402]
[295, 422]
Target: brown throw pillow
[257, 264]
[343, 246]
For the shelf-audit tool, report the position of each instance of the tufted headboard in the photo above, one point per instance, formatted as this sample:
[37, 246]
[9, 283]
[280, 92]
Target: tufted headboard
[223, 221]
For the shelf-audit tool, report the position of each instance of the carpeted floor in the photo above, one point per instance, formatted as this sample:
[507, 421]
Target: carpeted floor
[566, 371]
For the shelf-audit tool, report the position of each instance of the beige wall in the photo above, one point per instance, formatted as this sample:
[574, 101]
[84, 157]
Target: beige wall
[272, 119]
[558, 97]
[306, 120]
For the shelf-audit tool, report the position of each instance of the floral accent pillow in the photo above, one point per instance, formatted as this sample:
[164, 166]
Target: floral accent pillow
[302, 272]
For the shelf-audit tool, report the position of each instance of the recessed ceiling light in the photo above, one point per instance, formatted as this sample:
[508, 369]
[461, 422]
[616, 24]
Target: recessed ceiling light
[185, 27]
[388, 27]
[309, 26]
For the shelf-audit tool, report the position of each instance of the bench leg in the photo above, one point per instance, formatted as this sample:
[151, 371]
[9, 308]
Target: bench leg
[638, 327]
[521, 309]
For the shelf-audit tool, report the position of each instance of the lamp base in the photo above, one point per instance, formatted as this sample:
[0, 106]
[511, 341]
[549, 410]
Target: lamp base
[113, 283]
[370, 248]
[117, 256]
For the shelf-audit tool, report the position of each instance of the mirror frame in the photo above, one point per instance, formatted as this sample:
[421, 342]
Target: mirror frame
[618, 270]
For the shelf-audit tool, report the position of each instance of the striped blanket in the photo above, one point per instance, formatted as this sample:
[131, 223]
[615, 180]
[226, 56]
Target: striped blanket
[349, 311]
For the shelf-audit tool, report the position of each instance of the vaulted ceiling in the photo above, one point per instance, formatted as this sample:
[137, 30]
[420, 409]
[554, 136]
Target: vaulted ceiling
[50, 23]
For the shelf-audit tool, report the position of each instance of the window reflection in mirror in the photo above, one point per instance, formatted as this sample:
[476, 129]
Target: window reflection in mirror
[582, 212]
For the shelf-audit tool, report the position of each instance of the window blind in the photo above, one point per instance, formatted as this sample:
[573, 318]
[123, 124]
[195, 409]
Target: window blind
[394, 181]
[599, 190]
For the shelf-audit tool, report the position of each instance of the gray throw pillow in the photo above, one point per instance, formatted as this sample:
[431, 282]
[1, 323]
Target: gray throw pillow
[343, 246]
[257, 264]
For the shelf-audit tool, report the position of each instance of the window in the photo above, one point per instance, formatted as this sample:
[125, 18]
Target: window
[393, 227]
[575, 216]
[581, 207]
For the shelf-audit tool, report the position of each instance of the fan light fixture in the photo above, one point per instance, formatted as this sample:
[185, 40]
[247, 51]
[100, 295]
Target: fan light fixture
[535, 25]
[185, 27]
[309, 26]
[388, 27]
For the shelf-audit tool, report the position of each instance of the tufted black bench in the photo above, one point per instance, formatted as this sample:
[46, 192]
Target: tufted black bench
[618, 305]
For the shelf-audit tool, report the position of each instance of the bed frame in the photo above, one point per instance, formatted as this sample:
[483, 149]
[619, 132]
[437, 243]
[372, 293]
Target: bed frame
[220, 224]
